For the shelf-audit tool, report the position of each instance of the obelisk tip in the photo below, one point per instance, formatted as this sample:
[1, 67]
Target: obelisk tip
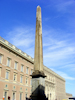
[38, 6]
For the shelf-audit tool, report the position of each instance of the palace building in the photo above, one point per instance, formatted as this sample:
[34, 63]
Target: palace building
[15, 80]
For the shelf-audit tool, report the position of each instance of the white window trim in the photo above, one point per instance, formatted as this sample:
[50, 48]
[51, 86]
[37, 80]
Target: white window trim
[20, 78]
[21, 96]
[0, 70]
[9, 62]
[16, 66]
[22, 68]
[7, 70]
[26, 96]
[27, 70]
[7, 94]
[15, 95]
[31, 82]
[15, 77]
[1, 58]
[31, 71]
[26, 81]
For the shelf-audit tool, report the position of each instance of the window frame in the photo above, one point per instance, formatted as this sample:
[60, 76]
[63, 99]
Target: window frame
[20, 95]
[6, 95]
[26, 95]
[12, 96]
[31, 82]
[1, 58]
[26, 81]
[15, 78]
[21, 78]
[16, 65]
[7, 70]
[22, 68]
[31, 71]
[7, 77]
[9, 62]
[27, 70]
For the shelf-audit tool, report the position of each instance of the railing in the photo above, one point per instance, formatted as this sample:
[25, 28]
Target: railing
[10, 44]
[22, 52]
[27, 55]
[16, 48]
[2, 39]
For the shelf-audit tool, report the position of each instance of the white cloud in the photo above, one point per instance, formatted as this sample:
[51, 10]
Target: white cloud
[21, 36]
[70, 83]
[64, 6]
[57, 51]
[69, 66]
[64, 75]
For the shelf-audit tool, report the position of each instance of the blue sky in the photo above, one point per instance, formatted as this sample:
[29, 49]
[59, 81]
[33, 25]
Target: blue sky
[18, 23]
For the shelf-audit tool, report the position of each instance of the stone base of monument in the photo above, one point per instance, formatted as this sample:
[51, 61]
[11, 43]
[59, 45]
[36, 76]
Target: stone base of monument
[38, 88]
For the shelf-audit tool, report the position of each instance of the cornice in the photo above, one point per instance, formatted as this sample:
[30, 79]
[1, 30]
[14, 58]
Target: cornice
[16, 50]
[50, 82]
[55, 74]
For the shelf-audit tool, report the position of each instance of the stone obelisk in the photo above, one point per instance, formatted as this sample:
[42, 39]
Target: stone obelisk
[38, 76]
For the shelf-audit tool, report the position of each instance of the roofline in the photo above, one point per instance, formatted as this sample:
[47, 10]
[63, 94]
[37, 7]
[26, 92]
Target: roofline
[16, 50]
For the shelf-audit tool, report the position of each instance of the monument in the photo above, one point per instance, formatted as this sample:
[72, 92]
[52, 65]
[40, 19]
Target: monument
[38, 76]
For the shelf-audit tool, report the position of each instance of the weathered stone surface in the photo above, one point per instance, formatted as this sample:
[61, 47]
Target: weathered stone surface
[38, 59]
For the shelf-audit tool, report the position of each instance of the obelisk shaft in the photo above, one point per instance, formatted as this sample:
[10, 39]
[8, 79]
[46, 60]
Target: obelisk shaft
[38, 58]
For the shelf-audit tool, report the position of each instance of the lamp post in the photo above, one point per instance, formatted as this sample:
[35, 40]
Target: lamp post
[50, 96]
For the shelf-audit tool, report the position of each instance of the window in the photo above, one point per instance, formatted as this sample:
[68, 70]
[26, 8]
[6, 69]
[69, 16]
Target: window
[21, 78]
[26, 70]
[20, 96]
[21, 88]
[13, 96]
[6, 86]
[26, 89]
[7, 75]
[21, 68]
[0, 70]
[14, 77]
[0, 58]
[26, 80]
[13, 87]
[16, 65]
[31, 71]
[48, 95]
[26, 95]
[31, 82]
[5, 94]
[8, 62]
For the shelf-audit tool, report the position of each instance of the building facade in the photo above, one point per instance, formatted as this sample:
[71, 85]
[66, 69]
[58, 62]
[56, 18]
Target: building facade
[15, 80]
[68, 95]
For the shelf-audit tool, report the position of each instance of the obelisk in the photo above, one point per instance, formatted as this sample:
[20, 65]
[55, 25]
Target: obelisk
[38, 76]
[38, 56]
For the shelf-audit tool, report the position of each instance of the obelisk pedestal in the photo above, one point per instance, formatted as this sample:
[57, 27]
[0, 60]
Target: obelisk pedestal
[38, 76]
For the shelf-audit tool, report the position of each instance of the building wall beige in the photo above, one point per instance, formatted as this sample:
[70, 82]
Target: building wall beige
[15, 70]
[68, 95]
[54, 85]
